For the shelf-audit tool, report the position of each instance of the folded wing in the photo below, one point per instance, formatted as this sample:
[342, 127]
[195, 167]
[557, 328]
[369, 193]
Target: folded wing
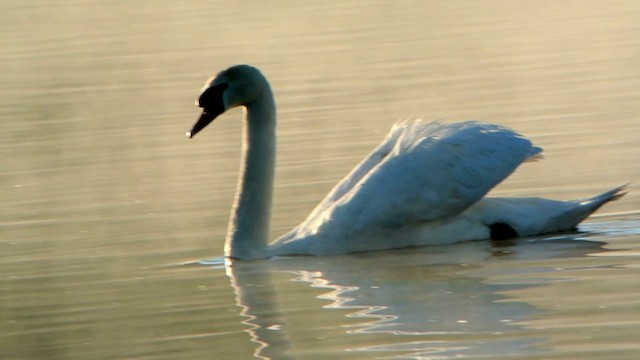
[420, 172]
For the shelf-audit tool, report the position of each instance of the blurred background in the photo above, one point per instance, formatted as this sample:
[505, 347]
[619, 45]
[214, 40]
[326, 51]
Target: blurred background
[99, 182]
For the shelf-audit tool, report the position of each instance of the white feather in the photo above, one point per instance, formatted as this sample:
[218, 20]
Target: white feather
[424, 184]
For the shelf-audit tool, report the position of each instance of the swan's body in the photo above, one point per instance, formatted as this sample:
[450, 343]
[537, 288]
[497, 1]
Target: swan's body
[424, 184]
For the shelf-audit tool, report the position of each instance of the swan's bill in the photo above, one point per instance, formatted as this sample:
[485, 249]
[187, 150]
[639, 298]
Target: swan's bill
[205, 119]
[212, 102]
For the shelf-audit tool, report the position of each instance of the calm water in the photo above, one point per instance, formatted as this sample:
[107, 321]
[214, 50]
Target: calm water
[109, 211]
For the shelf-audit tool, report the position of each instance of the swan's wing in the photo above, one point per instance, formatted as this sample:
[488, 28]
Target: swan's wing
[421, 172]
[358, 172]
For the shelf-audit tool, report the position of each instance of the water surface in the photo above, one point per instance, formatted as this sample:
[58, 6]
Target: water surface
[108, 209]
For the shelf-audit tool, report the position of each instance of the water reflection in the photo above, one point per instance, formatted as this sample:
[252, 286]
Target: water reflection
[439, 300]
[257, 296]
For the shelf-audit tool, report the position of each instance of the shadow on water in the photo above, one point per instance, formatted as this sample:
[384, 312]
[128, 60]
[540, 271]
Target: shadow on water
[447, 302]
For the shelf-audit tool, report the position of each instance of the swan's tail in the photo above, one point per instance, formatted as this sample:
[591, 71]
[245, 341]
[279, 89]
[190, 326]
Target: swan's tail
[611, 195]
[586, 207]
[535, 216]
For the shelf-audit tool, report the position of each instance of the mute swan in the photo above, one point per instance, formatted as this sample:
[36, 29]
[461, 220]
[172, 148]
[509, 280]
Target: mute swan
[424, 184]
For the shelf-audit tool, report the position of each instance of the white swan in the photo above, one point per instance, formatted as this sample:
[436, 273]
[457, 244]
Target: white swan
[424, 184]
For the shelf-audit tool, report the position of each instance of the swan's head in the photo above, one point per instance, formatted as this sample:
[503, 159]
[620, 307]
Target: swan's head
[239, 85]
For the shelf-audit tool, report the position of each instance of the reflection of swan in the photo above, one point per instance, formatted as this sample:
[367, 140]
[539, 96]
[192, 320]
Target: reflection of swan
[453, 302]
[422, 185]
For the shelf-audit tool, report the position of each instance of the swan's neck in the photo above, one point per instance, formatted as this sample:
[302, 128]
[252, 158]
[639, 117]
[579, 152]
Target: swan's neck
[248, 232]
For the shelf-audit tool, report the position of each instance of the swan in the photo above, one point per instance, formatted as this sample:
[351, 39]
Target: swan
[424, 184]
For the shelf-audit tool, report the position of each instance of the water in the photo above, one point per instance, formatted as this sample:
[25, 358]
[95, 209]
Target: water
[109, 211]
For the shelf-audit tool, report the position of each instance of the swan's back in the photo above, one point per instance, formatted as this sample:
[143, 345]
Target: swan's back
[422, 171]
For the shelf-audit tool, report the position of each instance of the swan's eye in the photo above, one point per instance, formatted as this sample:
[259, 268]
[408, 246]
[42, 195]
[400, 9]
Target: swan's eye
[212, 96]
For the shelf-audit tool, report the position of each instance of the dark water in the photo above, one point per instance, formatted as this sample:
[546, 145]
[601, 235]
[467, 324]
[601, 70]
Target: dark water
[108, 208]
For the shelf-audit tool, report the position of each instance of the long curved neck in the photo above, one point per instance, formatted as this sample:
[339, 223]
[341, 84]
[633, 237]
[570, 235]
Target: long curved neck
[248, 231]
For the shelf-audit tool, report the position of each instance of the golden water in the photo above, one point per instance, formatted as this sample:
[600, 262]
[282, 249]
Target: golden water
[104, 197]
